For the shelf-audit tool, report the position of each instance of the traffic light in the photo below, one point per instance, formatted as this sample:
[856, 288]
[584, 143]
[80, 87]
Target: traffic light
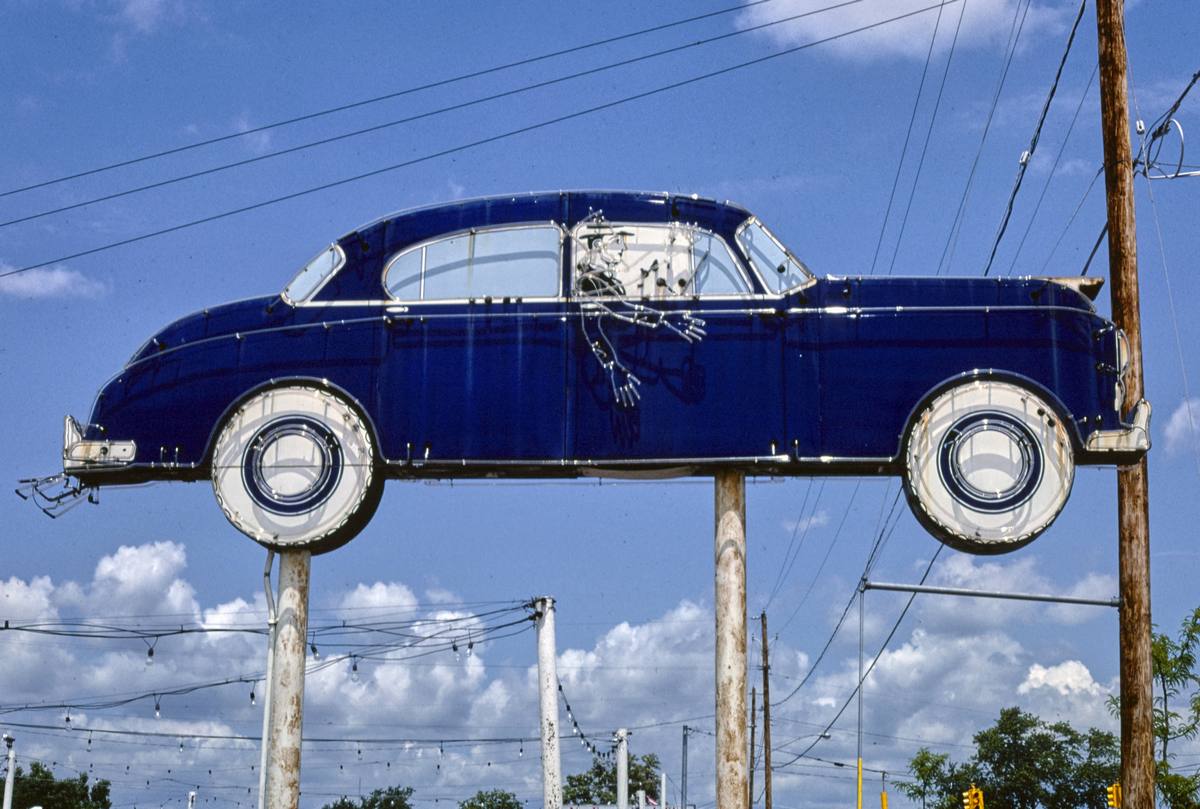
[1114, 795]
[973, 798]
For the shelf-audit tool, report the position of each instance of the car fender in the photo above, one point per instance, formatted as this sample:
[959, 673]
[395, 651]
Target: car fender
[998, 375]
[283, 382]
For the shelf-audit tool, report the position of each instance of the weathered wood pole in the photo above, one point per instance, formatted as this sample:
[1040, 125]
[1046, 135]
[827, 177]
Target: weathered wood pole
[1137, 740]
[732, 769]
[287, 681]
[766, 716]
[548, 702]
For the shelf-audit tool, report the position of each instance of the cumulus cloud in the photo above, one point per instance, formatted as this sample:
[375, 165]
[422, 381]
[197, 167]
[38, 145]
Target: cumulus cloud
[49, 282]
[984, 23]
[1183, 427]
[1067, 678]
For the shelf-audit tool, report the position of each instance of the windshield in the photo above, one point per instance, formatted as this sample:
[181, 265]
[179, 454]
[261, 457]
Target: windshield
[309, 279]
[779, 269]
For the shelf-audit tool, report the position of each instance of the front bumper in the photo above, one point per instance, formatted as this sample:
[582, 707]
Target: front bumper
[1131, 441]
[79, 454]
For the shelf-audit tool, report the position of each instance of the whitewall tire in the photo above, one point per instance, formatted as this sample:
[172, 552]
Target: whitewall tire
[293, 468]
[988, 465]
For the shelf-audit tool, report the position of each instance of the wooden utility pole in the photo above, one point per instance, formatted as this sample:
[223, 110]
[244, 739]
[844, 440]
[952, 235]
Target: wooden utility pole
[730, 558]
[766, 716]
[1137, 740]
[753, 724]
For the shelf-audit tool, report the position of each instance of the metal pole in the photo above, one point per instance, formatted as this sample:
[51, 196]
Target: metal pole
[272, 619]
[862, 599]
[548, 694]
[662, 789]
[12, 771]
[730, 560]
[683, 774]
[961, 591]
[622, 769]
[287, 681]
[753, 726]
[1133, 495]
[766, 715]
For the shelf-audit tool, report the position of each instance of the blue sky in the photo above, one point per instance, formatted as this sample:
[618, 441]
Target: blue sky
[810, 141]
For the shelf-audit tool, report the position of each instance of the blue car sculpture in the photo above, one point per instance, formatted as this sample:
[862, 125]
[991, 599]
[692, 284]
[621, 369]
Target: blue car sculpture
[613, 333]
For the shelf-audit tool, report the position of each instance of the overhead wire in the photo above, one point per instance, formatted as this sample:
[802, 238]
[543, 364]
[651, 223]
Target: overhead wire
[1027, 155]
[937, 104]
[422, 116]
[475, 143]
[1014, 37]
[801, 528]
[825, 559]
[887, 214]
[241, 133]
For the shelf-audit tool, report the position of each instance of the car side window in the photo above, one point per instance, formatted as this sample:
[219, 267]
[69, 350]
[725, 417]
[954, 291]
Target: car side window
[653, 261]
[519, 262]
[779, 269]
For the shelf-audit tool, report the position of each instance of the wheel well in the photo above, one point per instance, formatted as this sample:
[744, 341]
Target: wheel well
[323, 384]
[1020, 380]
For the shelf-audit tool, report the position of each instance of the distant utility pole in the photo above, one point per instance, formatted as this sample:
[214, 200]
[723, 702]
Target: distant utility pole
[286, 686]
[548, 695]
[683, 773]
[662, 789]
[730, 558]
[1133, 496]
[622, 769]
[12, 771]
[753, 725]
[766, 661]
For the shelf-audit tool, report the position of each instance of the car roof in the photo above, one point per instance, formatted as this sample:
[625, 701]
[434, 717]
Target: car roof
[564, 207]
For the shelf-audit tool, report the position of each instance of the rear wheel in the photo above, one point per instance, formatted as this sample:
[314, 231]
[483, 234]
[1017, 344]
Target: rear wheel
[294, 468]
[988, 466]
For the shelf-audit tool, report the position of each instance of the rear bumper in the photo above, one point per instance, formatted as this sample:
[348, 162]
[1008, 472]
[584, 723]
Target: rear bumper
[83, 455]
[1128, 443]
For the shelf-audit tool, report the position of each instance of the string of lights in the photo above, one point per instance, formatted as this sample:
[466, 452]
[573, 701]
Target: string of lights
[584, 740]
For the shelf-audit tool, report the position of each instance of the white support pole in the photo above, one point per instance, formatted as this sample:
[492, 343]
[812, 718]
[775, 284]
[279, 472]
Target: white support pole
[548, 693]
[622, 769]
[191, 799]
[266, 723]
[641, 793]
[662, 789]
[287, 681]
[732, 760]
[12, 772]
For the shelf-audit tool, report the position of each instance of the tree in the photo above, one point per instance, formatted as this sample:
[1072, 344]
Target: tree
[39, 787]
[491, 799]
[388, 798]
[1022, 762]
[598, 784]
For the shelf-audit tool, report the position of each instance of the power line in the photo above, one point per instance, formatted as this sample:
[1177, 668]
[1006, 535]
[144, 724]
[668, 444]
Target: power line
[474, 144]
[904, 149]
[801, 521]
[937, 104]
[385, 97]
[825, 559]
[1053, 168]
[418, 117]
[1033, 142]
[1014, 38]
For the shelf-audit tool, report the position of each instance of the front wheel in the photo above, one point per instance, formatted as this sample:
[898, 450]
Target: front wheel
[294, 468]
[988, 466]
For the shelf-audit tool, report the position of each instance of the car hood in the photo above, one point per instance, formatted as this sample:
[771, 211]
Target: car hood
[216, 321]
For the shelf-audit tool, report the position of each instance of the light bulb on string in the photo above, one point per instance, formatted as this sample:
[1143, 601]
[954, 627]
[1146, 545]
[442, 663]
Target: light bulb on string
[89, 743]
[470, 646]
[454, 648]
[150, 654]
[252, 699]
[354, 669]
[67, 719]
[157, 708]
[521, 751]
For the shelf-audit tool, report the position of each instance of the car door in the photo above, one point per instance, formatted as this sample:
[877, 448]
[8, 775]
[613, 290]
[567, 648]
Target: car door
[673, 357]
[475, 366]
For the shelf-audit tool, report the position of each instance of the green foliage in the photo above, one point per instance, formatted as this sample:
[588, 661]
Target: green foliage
[491, 799]
[598, 784]
[389, 798]
[39, 787]
[1021, 762]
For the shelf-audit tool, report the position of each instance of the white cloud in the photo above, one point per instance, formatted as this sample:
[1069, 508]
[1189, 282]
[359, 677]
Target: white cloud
[256, 142]
[821, 518]
[1183, 428]
[1067, 678]
[985, 23]
[144, 15]
[49, 282]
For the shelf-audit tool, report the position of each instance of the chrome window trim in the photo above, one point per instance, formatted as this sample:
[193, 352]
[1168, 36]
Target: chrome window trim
[650, 299]
[421, 245]
[737, 237]
[337, 267]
